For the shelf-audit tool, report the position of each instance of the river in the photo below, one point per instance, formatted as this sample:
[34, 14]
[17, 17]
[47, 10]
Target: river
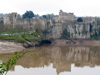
[50, 60]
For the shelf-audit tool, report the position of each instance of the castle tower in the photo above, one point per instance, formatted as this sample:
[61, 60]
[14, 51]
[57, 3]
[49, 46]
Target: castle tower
[10, 19]
[64, 16]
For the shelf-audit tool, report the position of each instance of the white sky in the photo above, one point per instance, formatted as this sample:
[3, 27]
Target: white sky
[78, 7]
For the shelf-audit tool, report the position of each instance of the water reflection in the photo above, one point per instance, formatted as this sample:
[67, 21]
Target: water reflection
[60, 60]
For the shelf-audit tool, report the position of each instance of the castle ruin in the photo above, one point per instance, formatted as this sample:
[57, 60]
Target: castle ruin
[78, 27]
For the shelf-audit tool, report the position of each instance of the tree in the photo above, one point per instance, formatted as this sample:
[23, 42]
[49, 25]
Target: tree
[39, 28]
[44, 16]
[66, 34]
[91, 27]
[79, 19]
[28, 14]
[1, 21]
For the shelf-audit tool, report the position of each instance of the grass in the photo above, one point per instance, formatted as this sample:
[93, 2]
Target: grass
[31, 38]
[11, 31]
[16, 38]
[19, 38]
[23, 37]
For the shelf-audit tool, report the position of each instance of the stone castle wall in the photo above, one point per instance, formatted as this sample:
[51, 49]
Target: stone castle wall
[89, 19]
[63, 16]
[13, 20]
[59, 23]
[10, 19]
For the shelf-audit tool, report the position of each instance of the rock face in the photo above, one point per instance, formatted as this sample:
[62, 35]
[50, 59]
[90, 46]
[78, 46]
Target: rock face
[56, 31]
[76, 30]
[78, 27]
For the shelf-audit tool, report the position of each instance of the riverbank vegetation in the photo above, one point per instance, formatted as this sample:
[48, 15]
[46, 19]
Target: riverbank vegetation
[6, 66]
[19, 36]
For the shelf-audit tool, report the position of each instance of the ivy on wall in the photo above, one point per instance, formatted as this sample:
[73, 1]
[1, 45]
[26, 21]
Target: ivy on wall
[66, 34]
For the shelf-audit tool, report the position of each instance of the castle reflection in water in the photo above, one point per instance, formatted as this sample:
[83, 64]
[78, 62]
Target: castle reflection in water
[60, 57]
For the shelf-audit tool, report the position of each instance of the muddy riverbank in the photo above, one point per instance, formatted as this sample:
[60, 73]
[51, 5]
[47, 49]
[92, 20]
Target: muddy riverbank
[76, 43]
[11, 47]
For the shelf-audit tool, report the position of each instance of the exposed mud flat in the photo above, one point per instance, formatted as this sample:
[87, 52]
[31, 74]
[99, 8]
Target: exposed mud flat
[76, 43]
[10, 47]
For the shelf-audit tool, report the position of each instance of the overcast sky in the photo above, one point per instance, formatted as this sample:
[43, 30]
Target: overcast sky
[78, 7]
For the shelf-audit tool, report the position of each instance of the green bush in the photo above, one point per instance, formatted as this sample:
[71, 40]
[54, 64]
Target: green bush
[30, 38]
[6, 66]
[66, 34]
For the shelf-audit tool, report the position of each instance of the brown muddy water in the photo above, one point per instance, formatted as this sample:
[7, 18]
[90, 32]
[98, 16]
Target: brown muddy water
[51, 60]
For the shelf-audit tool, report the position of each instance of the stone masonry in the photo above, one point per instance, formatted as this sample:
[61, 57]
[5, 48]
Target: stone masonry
[56, 24]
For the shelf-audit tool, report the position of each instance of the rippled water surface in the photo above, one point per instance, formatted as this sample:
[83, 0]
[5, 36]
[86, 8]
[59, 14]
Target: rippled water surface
[51, 60]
